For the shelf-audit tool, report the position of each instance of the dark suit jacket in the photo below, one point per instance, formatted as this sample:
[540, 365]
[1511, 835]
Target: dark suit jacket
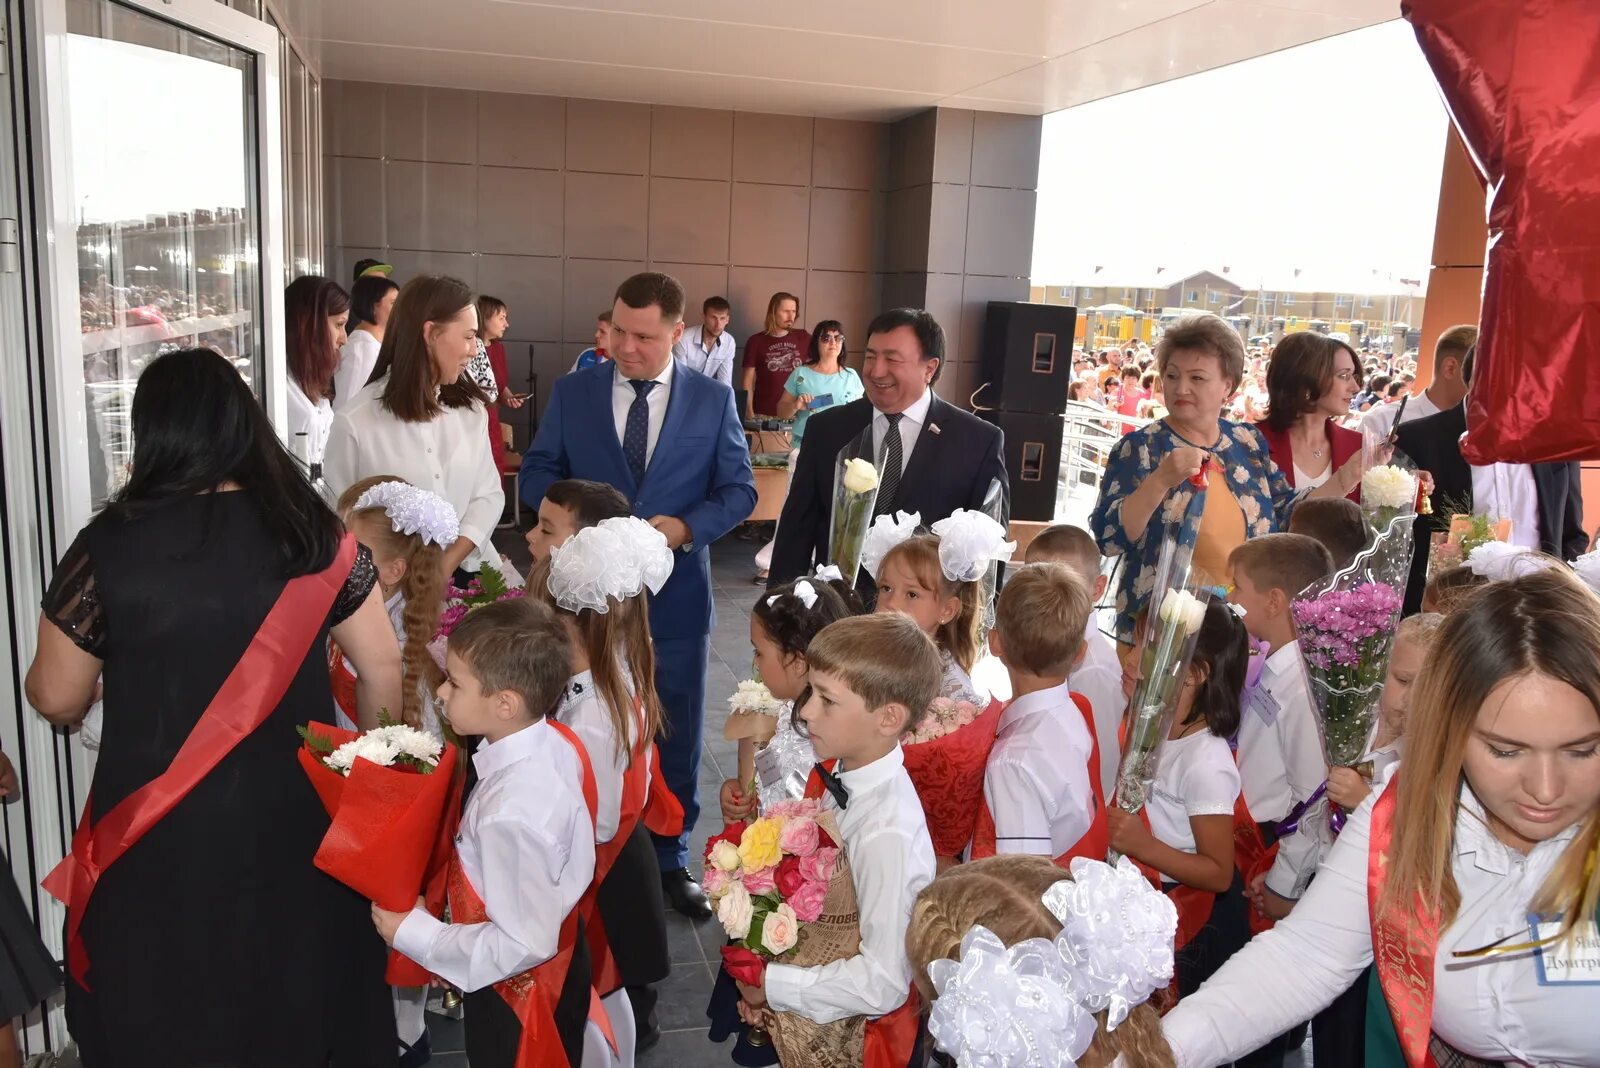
[699, 472]
[1434, 444]
[948, 469]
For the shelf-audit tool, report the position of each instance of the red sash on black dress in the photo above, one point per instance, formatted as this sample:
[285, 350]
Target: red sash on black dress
[248, 697]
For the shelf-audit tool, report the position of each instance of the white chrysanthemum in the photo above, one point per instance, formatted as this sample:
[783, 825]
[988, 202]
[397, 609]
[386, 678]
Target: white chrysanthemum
[408, 741]
[1388, 486]
[753, 696]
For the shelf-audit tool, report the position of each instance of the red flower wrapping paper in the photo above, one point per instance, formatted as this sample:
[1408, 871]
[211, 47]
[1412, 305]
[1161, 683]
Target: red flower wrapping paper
[391, 836]
[1521, 79]
[948, 774]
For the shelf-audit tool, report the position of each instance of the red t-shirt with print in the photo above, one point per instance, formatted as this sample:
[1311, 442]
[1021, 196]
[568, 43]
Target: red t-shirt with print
[773, 358]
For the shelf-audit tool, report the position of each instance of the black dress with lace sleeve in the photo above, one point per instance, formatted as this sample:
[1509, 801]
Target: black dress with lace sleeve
[73, 600]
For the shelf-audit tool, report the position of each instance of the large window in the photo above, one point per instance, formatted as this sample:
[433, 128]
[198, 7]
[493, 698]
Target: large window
[164, 190]
[302, 161]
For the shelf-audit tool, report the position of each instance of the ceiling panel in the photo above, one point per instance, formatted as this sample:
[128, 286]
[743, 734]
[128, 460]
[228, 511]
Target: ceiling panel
[863, 59]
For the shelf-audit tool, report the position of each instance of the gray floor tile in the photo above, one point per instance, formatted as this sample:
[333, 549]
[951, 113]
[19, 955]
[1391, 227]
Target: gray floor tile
[685, 1049]
[684, 994]
[446, 1035]
[682, 941]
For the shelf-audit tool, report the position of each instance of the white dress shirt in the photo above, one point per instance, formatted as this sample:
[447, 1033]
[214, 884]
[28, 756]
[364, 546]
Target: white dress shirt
[1037, 781]
[1378, 420]
[312, 420]
[1493, 1008]
[891, 859]
[448, 455]
[1281, 763]
[356, 361]
[1098, 677]
[910, 427]
[527, 847]
[1195, 776]
[715, 361]
[623, 396]
[1507, 491]
[585, 711]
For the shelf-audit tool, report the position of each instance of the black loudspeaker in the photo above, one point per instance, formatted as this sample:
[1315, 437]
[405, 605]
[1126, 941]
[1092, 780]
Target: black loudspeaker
[1027, 356]
[1033, 460]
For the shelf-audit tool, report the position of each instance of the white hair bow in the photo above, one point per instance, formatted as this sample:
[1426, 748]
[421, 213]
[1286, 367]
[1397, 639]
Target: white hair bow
[1588, 568]
[806, 592]
[969, 542]
[615, 560]
[1497, 561]
[412, 510]
[885, 533]
[1034, 1003]
[829, 573]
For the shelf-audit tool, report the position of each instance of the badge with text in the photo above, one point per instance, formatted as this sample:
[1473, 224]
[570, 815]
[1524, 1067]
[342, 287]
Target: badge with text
[1570, 961]
[769, 766]
[1264, 705]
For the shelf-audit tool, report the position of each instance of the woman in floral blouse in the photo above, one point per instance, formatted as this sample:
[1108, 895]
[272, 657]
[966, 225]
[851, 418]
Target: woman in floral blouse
[1147, 483]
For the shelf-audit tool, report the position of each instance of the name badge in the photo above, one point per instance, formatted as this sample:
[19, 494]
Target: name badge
[1571, 961]
[1265, 705]
[769, 768]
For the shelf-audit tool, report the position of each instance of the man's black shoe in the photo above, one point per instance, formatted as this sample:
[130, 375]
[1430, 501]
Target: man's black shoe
[685, 895]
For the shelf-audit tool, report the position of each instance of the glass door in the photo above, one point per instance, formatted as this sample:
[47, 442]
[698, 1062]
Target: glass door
[166, 189]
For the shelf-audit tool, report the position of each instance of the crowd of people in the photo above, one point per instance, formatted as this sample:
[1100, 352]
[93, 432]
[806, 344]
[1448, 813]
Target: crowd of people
[941, 767]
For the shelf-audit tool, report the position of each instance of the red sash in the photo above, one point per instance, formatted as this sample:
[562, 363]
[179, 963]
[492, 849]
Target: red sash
[1096, 841]
[1252, 856]
[1403, 945]
[606, 976]
[890, 1039]
[1194, 905]
[247, 698]
[534, 994]
[343, 681]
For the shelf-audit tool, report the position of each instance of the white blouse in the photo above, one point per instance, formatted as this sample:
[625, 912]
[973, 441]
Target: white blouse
[314, 420]
[584, 709]
[1195, 776]
[356, 361]
[1494, 1008]
[448, 455]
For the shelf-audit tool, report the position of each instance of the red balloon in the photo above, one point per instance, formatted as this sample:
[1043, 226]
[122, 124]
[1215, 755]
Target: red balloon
[1521, 79]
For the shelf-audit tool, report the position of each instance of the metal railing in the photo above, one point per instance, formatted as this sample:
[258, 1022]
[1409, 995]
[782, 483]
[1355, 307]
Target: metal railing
[1089, 433]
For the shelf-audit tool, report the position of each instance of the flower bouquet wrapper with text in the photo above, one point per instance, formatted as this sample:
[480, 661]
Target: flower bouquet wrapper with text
[391, 826]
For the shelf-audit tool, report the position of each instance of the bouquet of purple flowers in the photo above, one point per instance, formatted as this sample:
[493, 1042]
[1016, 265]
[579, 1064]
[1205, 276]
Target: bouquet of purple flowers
[1346, 634]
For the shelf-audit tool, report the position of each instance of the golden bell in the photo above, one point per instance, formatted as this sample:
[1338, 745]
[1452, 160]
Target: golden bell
[451, 999]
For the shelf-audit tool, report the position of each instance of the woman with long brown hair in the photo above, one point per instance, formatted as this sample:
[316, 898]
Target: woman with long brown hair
[421, 418]
[315, 311]
[1470, 878]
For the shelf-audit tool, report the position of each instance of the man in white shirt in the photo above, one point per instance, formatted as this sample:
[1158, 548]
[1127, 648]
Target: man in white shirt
[1446, 391]
[709, 348]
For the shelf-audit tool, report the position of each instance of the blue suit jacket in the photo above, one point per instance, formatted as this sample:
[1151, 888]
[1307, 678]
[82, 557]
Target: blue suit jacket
[699, 472]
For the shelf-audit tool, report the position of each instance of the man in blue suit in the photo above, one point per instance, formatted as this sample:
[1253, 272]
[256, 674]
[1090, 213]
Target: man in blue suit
[669, 439]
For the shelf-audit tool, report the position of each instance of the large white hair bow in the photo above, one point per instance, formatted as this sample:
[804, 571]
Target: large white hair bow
[1497, 561]
[1033, 1004]
[968, 543]
[614, 560]
[412, 510]
[885, 533]
[1588, 568]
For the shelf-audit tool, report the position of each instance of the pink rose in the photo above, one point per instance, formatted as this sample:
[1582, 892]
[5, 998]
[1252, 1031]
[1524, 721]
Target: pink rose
[780, 930]
[761, 881]
[807, 901]
[818, 867]
[715, 881]
[799, 837]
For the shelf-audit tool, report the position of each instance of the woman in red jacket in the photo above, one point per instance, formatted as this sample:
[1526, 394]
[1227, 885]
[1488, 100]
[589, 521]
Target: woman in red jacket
[1310, 381]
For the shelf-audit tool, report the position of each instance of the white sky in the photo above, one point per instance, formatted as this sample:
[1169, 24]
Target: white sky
[1324, 158]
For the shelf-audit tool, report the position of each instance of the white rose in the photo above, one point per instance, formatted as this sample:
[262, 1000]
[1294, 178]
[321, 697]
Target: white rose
[780, 930]
[860, 476]
[735, 910]
[724, 856]
[1388, 487]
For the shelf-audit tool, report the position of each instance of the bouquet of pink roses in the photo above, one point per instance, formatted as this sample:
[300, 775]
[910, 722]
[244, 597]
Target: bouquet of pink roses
[767, 878]
[489, 587]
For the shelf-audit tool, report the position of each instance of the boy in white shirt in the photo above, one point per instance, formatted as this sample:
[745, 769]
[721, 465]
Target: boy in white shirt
[1280, 749]
[1041, 789]
[871, 678]
[1098, 673]
[525, 850]
[571, 505]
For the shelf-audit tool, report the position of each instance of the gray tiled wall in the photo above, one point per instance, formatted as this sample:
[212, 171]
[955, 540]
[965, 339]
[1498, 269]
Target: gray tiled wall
[548, 203]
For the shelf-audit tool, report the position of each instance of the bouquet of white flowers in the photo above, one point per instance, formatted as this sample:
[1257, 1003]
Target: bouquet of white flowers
[754, 713]
[393, 745]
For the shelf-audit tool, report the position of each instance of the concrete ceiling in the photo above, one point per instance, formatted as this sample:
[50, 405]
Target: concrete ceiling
[861, 59]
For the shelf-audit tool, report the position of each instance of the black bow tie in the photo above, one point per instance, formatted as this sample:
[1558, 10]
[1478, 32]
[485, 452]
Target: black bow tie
[841, 795]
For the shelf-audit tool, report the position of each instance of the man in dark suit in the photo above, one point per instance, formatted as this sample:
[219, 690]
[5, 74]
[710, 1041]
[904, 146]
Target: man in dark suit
[933, 457]
[669, 439]
[1543, 501]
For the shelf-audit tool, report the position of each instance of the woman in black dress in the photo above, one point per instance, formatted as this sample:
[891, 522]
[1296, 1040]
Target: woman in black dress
[213, 940]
